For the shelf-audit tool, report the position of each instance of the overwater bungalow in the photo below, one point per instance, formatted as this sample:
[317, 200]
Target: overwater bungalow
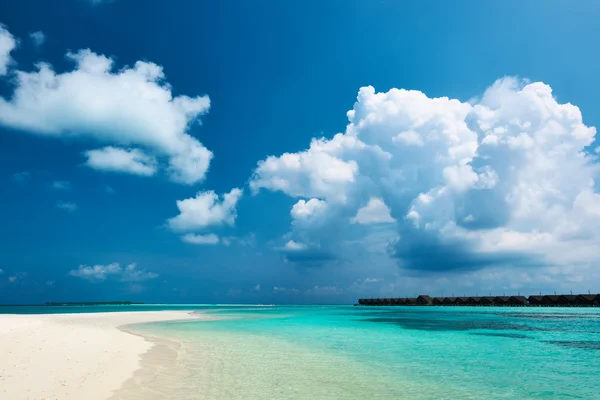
[588, 300]
[461, 301]
[449, 301]
[411, 301]
[424, 300]
[437, 301]
[398, 301]
[567, 300]
[473, 301]
[517, 301]
[487, 301]
[550, 300]
[501, 300]
[535, 300]
[582, 300]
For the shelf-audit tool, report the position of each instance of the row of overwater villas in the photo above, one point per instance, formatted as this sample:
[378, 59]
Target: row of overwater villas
[565, 300]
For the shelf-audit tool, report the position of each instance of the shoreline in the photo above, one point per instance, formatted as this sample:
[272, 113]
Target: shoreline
[74, 356]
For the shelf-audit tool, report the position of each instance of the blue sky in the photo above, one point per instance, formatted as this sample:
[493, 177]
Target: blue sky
[479, 176]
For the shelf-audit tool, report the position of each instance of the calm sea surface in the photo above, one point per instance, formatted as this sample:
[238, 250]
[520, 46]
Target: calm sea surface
[344, 352]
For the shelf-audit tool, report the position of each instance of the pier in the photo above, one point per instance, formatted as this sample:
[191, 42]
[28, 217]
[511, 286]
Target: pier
[570, 300]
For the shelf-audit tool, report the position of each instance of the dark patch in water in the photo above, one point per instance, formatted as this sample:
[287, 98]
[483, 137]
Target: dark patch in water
[423, 324]
[506, 335]
[576, 344]
[549, 316]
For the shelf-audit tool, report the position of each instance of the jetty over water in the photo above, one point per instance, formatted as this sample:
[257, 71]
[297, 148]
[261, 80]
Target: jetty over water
[565, 300]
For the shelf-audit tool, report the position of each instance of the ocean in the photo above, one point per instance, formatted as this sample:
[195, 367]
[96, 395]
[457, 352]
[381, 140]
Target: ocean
[345, 352]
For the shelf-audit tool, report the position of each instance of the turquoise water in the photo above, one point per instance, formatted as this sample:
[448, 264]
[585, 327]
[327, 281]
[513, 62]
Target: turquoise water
[403, 352]
[344, 352]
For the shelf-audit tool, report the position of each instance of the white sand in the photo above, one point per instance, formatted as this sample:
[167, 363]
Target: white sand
[72, 356]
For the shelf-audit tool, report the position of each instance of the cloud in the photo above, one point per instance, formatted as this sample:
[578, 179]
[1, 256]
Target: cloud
[205, 210]
[278, 289]
[132, 274]
[113, 159]
[12, 279]
[318, 172]
[294, 246]
[375, 212]
[7, 45]
[308, 210]
[504, 181]
[99, 273]
[256, 288]
[1, 271]
[128, 106]
[200, 239]
[37, 38]
[61, 185]
[66, 206]
[96, 272]
[324, 291]
[301, 253]
[21, 177]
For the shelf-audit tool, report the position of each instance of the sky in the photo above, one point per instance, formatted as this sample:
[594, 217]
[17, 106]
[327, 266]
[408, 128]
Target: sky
[297, 152]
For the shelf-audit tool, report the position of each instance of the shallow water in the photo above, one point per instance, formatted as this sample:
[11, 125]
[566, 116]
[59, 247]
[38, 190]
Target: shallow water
[342, 352]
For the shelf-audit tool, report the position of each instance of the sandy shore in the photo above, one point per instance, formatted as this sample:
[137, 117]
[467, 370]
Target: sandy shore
[72, 356]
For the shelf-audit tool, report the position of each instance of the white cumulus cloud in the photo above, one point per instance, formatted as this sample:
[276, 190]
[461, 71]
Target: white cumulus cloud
[101, 272]
[113, 159]
[503, 180]
[375, 212]
[96, 272]
[7, 45]
[304, 210]
[38, 38]
[61, 185]
[200, 239]
[66, 206]
[294, 246]
[126, 106]
[205, 210]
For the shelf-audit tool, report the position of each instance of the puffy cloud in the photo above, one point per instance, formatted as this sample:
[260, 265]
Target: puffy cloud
[505, 180]
[278, 289]
[66, 206]
[98, 273]
[131, 106]
[38, 38]
[61, 185]
[132, 274]
[375, 212]
[321, 171]
[294, 246]
[200, 239]
[205, 210]
[7, 45]
[307, 210]
[131, 161]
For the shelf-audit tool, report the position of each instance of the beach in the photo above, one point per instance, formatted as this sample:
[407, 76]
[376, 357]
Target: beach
[72, 356]
[299, 353]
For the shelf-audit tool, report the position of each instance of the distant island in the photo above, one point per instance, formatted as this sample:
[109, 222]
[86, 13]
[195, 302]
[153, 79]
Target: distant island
[93, 303]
